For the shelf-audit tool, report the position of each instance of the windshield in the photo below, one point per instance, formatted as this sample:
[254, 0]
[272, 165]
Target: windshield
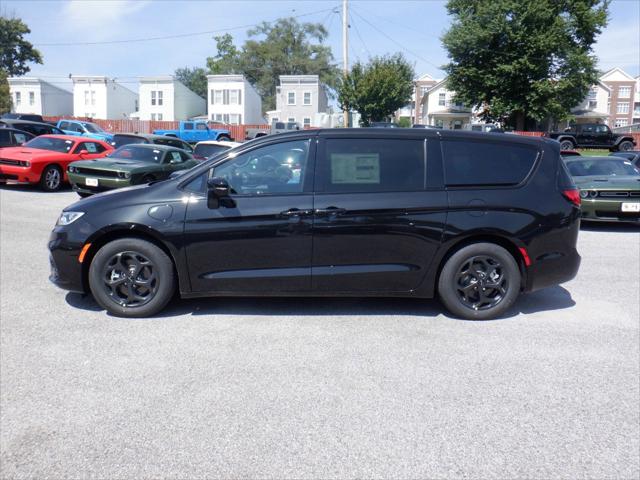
[581, 168]
[49, 143]
[93, 128]
[208, 151]
[120, 140]
[138, 154]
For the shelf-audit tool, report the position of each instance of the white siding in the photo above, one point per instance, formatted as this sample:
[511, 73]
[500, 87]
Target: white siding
[100, 97]
[39, 97]
[244, 107]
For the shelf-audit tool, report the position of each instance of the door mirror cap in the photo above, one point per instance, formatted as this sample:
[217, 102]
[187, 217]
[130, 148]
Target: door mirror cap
[84, 152]
[219, 187]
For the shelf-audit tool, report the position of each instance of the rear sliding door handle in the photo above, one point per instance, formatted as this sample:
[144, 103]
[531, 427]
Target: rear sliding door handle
[330, 211]
[296, 212]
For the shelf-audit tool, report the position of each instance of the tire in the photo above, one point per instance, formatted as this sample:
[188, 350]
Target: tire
[566, 145]
[147, 179]
[224, 138]
[141, 276]
[625, 146]
[51, 178]
[474, 267]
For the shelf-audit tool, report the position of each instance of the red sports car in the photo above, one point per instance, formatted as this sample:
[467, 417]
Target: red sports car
[44, 159]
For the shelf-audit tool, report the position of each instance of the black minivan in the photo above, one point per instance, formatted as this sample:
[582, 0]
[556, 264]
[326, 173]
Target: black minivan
[473, 218]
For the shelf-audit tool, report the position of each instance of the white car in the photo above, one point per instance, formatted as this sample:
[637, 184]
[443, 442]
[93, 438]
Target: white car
[209, 148]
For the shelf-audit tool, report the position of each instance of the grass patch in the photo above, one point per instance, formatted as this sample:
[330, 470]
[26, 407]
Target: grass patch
[592, 152]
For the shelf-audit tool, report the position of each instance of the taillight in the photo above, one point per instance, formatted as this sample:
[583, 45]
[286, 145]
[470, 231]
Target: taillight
[573, 196]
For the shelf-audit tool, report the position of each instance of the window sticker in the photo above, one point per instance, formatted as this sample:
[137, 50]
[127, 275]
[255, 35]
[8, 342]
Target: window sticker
[91, 147]
[355, 168]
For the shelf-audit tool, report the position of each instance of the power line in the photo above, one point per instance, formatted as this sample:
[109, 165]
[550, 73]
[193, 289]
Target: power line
[167, 37]
[355, 27]
[381, 32]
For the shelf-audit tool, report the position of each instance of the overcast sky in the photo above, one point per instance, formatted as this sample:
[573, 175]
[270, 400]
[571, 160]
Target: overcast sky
[377, 27]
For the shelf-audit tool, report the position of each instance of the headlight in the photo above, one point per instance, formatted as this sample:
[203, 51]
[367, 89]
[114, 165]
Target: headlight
[25, 163]
[124, 175]
[584, 194]
[72, 169]
[67, 218]
[593, 194]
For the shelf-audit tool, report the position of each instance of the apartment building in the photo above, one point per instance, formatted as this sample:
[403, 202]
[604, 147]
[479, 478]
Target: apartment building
[421, 86]
[595, 107]
[232, 99]
[102, 97]
[299, 98]
[636, 103]
[165, 98]
[34, 95]
[621, 101]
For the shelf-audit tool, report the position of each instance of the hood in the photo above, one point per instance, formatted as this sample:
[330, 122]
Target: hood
[599, 182]
[26, 153]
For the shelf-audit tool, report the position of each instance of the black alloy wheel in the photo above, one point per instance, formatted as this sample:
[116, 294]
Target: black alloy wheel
[625, 146]
[566, 145]
[131, 277]
[479, 282]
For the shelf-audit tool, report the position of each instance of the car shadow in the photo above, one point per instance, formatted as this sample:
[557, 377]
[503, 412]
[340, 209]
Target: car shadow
[32, 188]
[553, 298]
[609, 227]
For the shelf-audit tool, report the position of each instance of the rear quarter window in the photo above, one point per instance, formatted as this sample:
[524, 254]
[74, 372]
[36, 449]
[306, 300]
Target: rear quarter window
[486, 163]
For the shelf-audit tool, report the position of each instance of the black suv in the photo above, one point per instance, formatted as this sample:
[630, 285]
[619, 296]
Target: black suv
[592, 135]
[475, 218]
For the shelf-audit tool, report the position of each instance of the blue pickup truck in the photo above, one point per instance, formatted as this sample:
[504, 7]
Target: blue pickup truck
[195, 131]
[84, 129]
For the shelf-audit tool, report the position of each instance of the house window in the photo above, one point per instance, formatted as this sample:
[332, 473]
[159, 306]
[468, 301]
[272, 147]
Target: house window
[153, 116]
[234, 119]
[86, 97]
[623, 107]
[624, 92]
[153, 100]
[593, 93]
[621, 122]
[592, 104]
[291, 119]
[18, 98]
[306, 99]
[159, 97]
[423, 90]
[93, 97]
[306, 122]
[233, 97]
[442, 99]
[160, 116]
[291, 98]
[32, 98]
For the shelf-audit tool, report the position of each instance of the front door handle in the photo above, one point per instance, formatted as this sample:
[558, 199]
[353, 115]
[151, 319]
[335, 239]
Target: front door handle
[330, 211]
[296, 212]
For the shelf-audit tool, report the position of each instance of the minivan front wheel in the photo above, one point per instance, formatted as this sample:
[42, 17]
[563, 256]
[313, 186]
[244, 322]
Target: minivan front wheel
[479, 282]
[131, 277]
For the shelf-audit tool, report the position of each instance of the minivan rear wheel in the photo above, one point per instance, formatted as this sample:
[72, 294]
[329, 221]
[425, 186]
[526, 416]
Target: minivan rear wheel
[131, 277]
[479, 282]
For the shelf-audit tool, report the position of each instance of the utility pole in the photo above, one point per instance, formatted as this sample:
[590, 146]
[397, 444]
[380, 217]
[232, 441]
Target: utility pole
[345, 50]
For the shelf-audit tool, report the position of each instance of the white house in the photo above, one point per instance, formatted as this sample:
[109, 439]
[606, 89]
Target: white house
[165, 98]
[33, 95]
[232, 99]
[595, 107]
[102, 97]
[299, 98]
[438, 108]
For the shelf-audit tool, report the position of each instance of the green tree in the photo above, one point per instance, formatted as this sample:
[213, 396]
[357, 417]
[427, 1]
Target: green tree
[5, 95]
[521, 61]
[284, 47]
[195, 79]
[15, 51]
[377, 89]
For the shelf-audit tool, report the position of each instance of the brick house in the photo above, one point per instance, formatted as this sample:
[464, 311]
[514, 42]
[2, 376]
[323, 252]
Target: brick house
[621, 101]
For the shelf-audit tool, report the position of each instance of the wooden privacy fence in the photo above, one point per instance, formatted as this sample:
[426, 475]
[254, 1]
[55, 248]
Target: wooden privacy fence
[238, 132]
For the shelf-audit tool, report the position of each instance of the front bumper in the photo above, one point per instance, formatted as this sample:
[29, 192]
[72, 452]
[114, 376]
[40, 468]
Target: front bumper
[66, 271]
[608, 210]
[18, 174]
[104, 183]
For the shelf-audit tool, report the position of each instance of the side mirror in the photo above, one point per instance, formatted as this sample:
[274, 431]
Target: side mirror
[83, 153]
[218, 191]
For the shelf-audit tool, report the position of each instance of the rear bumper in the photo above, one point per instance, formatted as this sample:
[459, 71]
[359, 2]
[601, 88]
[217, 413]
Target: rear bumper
[552, 269]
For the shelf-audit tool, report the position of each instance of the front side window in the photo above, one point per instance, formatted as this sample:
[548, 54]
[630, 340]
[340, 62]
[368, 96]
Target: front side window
[272, 169]
[20, 138]
[372, 165]
[306, 100]
[486, 164]
[201, 126]
[174, 157]
[188, 126]
[93, 128]
[208, 150]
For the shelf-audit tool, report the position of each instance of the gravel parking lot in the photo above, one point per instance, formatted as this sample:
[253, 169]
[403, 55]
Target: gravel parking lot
[316, 388]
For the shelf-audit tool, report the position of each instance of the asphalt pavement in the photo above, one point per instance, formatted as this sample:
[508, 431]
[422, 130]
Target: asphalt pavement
[316, 388]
